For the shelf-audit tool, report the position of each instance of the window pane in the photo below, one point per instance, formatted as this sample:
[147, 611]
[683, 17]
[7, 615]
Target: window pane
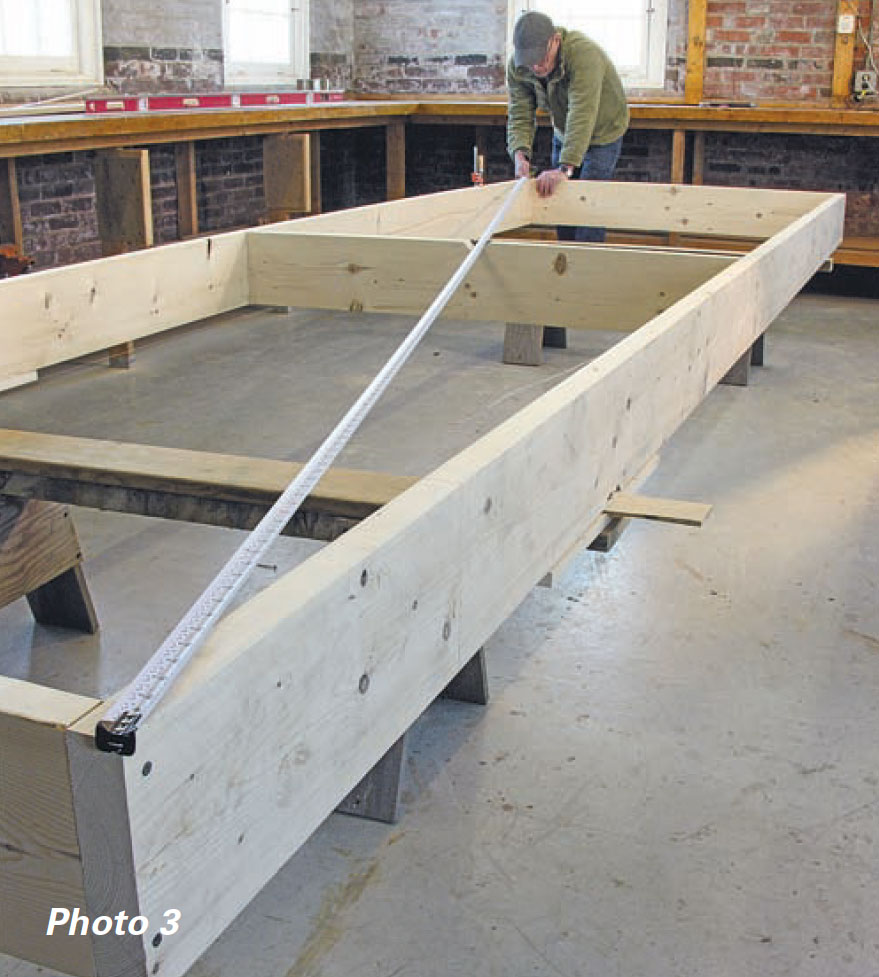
[56, 28]
[259, 37]
[37, 28]
[277, 7]
[620, 29]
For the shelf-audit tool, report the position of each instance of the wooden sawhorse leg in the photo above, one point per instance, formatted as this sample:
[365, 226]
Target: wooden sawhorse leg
[40, 559]
[523, 343]
[740, 372]
[377, 796]
[471, 683]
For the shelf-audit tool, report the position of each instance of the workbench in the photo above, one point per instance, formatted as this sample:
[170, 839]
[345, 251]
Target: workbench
[76, 132]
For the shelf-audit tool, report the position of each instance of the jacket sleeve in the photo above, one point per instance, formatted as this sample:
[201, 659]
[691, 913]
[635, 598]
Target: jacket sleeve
[584, 97]
[521, 114]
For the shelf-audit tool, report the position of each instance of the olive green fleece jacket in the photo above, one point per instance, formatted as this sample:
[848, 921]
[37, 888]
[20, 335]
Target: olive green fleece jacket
[583, 95]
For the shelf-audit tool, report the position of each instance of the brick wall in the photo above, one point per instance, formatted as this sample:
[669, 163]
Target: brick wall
[432, 46]
[826, 163]
[163, 46]
[57, 195]
[771, 49]
[440, 157]
[230, 183]
[331, 39]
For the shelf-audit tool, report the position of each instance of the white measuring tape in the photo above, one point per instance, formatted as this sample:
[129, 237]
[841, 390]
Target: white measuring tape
[115, 732]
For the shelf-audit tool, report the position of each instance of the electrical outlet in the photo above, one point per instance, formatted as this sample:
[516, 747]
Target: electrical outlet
[866, 83]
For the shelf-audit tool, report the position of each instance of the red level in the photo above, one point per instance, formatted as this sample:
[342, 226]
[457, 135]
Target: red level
[215, 100]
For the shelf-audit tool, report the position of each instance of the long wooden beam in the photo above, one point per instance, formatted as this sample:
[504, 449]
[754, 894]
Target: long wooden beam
[548, 284]
[195, 486]
[726, 212]
[298, 692]
[461, 214]
[57, 315]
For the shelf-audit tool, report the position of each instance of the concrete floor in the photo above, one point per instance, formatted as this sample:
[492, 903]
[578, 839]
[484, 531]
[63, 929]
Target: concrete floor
[677, 774]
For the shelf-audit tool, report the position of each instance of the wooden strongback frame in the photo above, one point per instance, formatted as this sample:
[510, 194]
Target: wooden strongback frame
[268, 728]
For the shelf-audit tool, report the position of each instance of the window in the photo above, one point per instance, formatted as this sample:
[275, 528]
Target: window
[265, 41]
[50, 42]
[633, 32]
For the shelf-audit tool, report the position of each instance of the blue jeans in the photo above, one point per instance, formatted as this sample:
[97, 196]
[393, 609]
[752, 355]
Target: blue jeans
[598, 164]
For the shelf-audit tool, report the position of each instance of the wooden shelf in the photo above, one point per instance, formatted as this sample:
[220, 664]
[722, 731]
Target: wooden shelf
[66, 133]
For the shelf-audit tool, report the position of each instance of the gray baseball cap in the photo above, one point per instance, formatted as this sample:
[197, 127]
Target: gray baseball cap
[530, 38]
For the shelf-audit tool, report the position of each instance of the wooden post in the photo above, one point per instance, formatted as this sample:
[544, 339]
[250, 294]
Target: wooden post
[471, 683]
[125, 214]
[316, 200]
[377, 796]
[678, 168]
[40, 558]
[758, 351]
[395, 145]
[11, 231]
[187, 192]
[844, 51]
[287, 174]
[694, 83]
[523, 344]
[678, 155]
[740, 372]
[698, 177]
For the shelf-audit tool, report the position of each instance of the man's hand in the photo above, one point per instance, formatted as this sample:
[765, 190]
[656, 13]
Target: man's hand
[523, 164]
[548, 181]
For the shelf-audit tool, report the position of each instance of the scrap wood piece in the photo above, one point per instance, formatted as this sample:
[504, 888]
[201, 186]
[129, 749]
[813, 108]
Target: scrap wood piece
[212, 476]
[624, 504]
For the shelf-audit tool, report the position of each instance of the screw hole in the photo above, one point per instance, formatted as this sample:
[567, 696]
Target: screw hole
[363, 684]
[147, 768]
[364, 577]
[157, 939]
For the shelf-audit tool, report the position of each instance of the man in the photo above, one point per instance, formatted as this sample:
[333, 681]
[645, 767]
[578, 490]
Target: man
[570, 76]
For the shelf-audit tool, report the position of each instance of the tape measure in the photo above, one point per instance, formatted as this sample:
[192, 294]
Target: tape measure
[116, 730]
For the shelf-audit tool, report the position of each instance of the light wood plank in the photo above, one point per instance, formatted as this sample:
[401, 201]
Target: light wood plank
[528, 283]
[201, 474]
[725, 211]
[268, 727]
[52, 316]
[40, 861]
[460, 214]
[625, 504]
[10, 383]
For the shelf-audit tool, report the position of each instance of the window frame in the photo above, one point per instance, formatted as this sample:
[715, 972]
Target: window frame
[653, 75]
[262, 73]
[84, 67]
